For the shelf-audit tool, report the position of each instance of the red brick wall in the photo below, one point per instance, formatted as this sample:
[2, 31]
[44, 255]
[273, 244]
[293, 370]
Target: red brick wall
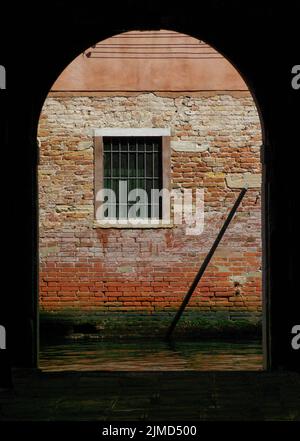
[83, 267]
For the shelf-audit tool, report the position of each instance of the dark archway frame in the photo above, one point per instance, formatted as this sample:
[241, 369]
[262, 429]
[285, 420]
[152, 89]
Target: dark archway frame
[252, 55]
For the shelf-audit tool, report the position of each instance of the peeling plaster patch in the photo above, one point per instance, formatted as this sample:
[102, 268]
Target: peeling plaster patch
[125, 269]
[48, 250]
[241, 280]
[215, 175]
[240, 180]
[254, 274]
[84, 145]
[223, 268]
[189, 146]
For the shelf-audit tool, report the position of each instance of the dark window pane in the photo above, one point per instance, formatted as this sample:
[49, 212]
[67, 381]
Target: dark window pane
[123, 144]
[107, 144]
[141, 165]
[124, 165]
[132, 144]
[148, 188]
[149, 147]
[131, 184]
[107, 163]
[115, 187]
[132, 164]
[140, 183]
[140, 145]
[107, 183]
[156, 165]
[149, 165]
[156, 183]
[115, 165]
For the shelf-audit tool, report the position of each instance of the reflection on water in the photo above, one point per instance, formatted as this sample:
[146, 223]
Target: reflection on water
[151, 356]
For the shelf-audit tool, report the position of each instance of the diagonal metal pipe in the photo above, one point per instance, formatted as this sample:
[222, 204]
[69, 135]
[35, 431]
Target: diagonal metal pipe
[204, 264]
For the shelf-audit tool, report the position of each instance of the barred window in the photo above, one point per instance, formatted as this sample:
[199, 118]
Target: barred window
[134, 163]
[134, 169]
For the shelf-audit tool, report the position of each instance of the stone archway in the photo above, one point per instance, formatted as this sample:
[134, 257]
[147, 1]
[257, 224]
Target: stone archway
[230, 38]
[85, 93]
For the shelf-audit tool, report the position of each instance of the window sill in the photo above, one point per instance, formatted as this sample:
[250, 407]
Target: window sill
[131, 225]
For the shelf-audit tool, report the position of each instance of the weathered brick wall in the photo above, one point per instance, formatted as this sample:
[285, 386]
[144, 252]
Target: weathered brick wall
[215, 146]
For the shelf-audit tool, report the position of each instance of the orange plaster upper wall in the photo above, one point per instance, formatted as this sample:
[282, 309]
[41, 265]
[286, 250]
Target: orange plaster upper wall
[150, 61]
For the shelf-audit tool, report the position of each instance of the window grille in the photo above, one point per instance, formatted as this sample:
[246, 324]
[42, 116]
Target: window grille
[138, 162]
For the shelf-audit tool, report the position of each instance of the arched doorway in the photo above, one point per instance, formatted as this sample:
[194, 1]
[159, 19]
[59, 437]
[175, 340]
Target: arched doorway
[226, 28]
[232, 288]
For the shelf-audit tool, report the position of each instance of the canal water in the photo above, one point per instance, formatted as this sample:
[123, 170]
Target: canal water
[89, 355]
